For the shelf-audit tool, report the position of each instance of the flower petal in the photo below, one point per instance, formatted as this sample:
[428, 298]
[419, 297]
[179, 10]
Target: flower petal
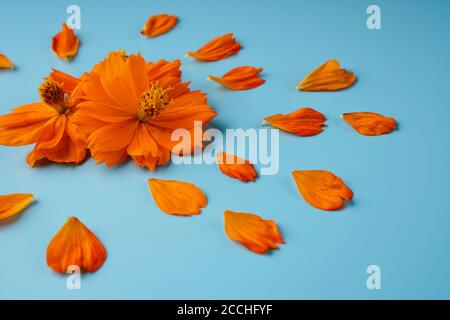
[12, 204]
[302, 122]
[255, 233]
[158, 25]
[236, 167]
[322, 189]
[370, 123]
[177, 197]
[217, 49]
[65, 43]
[66, 80]
[241, 78]
[328, 77]
[75, 245]
[5, 63]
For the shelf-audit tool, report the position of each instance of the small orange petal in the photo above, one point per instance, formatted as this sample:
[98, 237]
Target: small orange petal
[12, 204]
[236, 167]
[177, 197]
[370, 123]
[302, 122]
[255, 233]
[241, 78]
[5, 63]
[328, 77]
[75, 245]
[322, 189]
[217, 49]
[158, 25]
[65, 43]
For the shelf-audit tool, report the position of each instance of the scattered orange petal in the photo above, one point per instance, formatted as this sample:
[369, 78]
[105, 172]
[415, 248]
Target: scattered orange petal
[328, 77]
[12, 204]
[302, 122]
[65, 43]
[75, 245]
[236, 167]
[177, 197]
[322, 189]
[240, 78]
[5, 63]
[370, 123]
[217, 49]
[158, 25]
[255, 233]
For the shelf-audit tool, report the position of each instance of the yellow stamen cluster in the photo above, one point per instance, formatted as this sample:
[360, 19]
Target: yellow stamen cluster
[152, 102]
[52, 93]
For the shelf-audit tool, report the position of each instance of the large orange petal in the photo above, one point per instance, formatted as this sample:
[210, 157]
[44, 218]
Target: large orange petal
[217, 49]
[65, 43]
[158, 25]
[236, 167]
[12, 204]
[177, 197]
[113, 137]
[151, 162]
[302, 122]
[370, 123]
[28, 124]
[75, 245]
[255, 233]
[241, 78]
[183, 111]
[322, 189]
[5, 63]
[163, 70]
[328, 77]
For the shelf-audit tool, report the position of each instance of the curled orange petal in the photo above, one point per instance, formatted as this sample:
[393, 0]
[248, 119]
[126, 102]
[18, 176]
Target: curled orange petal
[255, 233]
[75, 245]
[67, 81]
[12, 204]
[5, 63]
[177, 197]
[158, 25]
[65, 43]
[240, 78]
[302, 122]
[236, 167]
[328, 77]
[370, 123]
[322, 189]
[217, 49]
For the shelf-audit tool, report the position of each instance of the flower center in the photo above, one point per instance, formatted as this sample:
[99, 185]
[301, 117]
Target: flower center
[52, 93]
[152, 102]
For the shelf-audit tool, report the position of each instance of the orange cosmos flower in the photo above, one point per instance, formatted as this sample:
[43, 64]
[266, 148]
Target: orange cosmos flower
[177, 197]
[255, 233]
[217, 49]
[65, 43]
[132, 107]
[75, 245]
[370, 123]
[328, 77]
[5, 63]
[302, 122]
[48, 123]
[236, 167]
[322, 189]
[158, 25]
[241, 78]
[12, 204]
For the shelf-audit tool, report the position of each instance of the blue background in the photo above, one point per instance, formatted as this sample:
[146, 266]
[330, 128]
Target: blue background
[400, 216]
